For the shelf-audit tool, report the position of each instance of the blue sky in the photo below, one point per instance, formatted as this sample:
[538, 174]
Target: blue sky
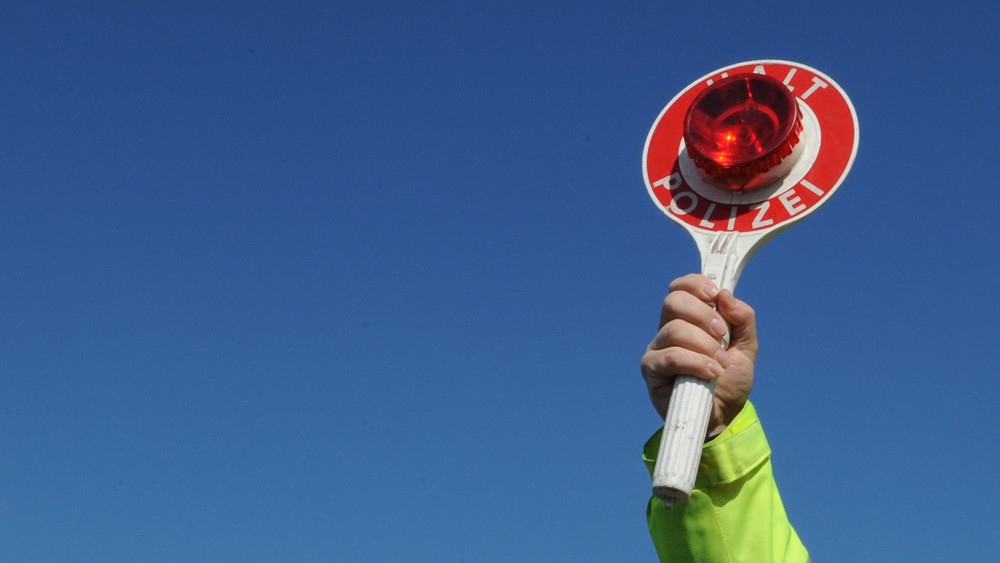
[371, 282]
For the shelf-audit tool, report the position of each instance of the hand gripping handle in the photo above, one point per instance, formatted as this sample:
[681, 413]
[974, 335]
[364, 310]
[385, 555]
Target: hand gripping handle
[691, 401]
[684, 430]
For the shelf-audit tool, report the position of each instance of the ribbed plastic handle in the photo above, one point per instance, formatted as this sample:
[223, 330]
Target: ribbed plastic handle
[684, 430]
[686, 423]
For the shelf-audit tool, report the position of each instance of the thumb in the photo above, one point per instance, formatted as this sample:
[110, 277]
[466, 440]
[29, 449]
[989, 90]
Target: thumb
[742, 321]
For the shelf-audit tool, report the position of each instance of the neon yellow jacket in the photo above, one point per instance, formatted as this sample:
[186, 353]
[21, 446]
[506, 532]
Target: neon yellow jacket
[734, 513]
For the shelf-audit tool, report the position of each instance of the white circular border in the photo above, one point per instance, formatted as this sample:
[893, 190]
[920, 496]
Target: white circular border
[759, 62]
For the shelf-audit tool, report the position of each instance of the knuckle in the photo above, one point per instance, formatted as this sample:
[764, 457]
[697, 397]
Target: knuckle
[673, 297]
[646, 364]
[668, 334]
[668, 302]
[667, 362]
[665, 337]
[672, 303]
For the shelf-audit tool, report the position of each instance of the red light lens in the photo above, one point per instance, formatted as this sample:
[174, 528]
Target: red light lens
[740, 127]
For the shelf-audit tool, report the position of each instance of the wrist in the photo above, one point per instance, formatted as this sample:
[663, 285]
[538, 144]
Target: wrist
[727, 414]
[714, 433]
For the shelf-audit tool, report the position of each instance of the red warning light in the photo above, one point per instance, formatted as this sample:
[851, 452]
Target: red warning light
[740, 129]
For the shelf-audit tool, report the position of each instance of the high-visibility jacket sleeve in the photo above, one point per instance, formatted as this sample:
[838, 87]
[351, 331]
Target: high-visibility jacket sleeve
[734, 513]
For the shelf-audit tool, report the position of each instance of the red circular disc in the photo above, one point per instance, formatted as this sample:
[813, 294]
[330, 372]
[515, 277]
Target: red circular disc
[828, 142]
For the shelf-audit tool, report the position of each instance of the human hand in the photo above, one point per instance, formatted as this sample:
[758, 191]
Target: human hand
[687, 343]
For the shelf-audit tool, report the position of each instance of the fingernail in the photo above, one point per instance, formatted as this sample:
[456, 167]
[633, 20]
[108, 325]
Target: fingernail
[710, 288]
[722, 357]
[718, 327]
[716, 369]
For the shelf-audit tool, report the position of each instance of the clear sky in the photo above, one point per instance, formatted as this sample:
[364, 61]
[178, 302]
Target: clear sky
[370, 282]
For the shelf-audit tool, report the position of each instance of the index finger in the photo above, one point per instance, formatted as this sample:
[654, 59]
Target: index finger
[697, 285]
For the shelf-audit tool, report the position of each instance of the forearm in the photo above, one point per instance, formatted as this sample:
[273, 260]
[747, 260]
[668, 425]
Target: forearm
[735, 512]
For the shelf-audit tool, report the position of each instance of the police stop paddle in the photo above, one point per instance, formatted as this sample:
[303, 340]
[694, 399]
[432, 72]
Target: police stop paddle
[736, 157]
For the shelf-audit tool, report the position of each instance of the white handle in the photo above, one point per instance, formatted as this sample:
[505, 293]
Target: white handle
[686, 423]
[684, 431]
